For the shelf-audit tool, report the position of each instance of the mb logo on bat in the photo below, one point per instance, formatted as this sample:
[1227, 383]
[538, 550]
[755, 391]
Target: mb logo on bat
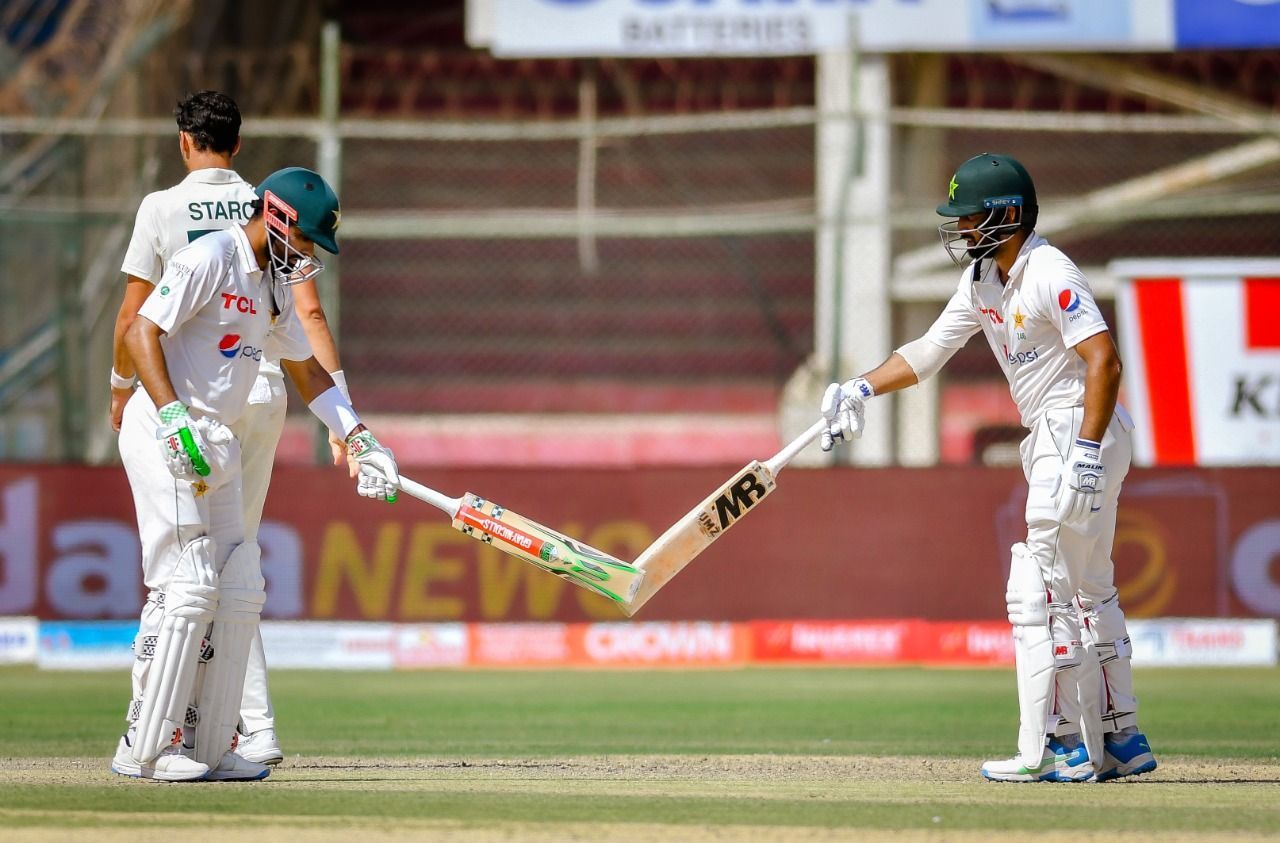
[744, 492]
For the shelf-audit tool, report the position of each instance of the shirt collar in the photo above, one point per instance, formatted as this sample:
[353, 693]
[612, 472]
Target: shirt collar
[1020, 262]
[212, 175]
[248, 262]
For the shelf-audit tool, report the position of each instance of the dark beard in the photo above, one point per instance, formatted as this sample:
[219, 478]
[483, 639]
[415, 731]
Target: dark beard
[981, 252]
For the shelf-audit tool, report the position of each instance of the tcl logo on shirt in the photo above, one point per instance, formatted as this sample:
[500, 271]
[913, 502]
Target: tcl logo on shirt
[244, 304]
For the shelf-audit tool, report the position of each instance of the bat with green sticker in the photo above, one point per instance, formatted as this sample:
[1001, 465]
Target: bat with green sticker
[553, 552]
[198, 462]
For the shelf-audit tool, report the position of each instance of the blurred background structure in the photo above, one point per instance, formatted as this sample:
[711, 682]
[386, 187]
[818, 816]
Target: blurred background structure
[616, 245]
[630, 272]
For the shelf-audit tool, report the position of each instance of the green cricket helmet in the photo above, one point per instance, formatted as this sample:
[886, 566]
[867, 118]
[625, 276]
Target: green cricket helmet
[298, 196]
[987, 183]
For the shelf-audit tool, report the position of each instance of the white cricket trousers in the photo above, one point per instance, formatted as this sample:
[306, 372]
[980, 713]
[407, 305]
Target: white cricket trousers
[259, 430]
[170, 515]
[1076, 564]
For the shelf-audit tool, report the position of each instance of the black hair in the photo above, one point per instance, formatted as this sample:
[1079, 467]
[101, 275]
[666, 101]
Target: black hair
[1027, 219]
[211, 118]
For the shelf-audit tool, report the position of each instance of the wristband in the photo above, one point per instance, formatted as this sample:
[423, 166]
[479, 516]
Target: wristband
[335, 411]
[119, 381]
[340, 381]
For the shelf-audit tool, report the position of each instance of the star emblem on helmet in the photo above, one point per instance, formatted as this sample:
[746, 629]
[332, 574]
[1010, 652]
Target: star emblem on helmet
[951, 189]
[337, 218]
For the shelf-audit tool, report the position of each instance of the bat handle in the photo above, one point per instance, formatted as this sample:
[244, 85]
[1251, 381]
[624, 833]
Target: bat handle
[443, 502]
[796, 445]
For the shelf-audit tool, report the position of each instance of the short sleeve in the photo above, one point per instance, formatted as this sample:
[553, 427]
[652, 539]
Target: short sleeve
[142, 258]
[958, 320]
[287, 340]
[1067, 300]
[190, 281]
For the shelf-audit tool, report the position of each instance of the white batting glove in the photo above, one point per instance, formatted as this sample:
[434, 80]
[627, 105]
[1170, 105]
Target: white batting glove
[842, 407]
[1080, 486]
[186, 454]
[379, 478]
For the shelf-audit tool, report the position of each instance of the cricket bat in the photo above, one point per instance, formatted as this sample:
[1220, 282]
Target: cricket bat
[553, 552]
[709, 520]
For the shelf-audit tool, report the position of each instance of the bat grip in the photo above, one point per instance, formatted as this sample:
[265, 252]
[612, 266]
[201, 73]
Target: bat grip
[796, 445]
[443, 502]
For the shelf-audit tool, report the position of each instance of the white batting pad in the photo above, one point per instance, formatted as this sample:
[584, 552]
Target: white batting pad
[1028, 605]
[144, 647]
[190, 602]
[1108, 632]
[236, 622]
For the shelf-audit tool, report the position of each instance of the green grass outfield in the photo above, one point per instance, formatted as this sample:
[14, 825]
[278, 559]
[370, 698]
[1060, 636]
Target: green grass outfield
[755, 754]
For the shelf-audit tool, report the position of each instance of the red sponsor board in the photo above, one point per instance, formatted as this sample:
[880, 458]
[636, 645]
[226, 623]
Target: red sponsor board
[692, 644]
[882, 543]
[882, 642]
[975, 642]
[648, 645]
[832, 641]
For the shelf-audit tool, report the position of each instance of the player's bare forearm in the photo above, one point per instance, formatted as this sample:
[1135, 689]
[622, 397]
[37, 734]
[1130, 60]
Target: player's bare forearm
[310, 378]
[143, 342]
[135, 293]
[892, 375]
[306, 301]
[1101, 384]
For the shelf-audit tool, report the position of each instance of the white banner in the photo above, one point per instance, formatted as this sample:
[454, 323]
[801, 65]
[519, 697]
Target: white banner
[1200, 340]
[321, 645]
[513, 28]
[1187, 642]
[18, 637]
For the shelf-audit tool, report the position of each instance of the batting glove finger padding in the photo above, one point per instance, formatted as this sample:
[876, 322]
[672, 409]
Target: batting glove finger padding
[844, 410]
[379, 478]
[1081, 484]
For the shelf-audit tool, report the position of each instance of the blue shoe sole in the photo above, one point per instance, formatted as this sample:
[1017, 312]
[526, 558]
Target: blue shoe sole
[265, 773]
[1055, 777]
[1112, 775]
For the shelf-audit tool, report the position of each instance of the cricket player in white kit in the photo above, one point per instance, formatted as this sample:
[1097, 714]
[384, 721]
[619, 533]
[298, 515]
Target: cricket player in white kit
[196, 344]
[1078, 711]
[212, 198]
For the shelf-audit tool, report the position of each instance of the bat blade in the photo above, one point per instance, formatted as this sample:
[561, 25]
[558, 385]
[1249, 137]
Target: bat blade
[549, 550]
[701, 526]
[709, 520]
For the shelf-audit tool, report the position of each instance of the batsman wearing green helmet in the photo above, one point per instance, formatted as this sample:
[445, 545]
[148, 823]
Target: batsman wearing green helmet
[213, 197]
[1078, 711]
[222, 303]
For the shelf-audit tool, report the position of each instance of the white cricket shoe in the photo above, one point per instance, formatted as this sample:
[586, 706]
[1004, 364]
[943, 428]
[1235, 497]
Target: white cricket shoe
[261, 746]
[1057, 764]
[234, 768]
[169, 766]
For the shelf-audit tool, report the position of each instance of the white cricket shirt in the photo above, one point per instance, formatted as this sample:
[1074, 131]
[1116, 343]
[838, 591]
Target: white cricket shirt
[207, 200]
[214, 304]
[1032, 324]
